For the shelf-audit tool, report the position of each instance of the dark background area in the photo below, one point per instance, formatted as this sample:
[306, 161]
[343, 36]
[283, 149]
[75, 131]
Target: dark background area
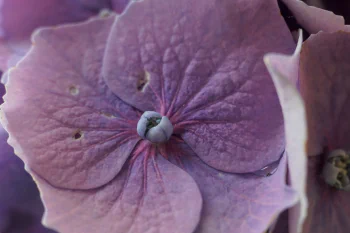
[339, 7]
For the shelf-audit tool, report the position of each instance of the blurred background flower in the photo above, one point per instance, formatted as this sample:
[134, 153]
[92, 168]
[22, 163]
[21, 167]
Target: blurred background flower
[21, 209]
[322, 71]
[19, 18]
[339, 7]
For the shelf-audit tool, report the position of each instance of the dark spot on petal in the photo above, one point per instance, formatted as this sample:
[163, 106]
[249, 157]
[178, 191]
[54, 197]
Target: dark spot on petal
[108, 115]
[78, 135]
[143, 82]
[73, 90]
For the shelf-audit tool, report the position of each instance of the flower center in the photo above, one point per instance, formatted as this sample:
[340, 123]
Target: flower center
[154, 127]
[336, 170]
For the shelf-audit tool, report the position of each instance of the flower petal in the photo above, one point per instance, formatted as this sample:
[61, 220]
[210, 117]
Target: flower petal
[325, 86]
[314, 19]
[151, 196]
[284, 70]
[19, 18]
[237, 203]
[63, 121]
[329, 209]
[200, 64]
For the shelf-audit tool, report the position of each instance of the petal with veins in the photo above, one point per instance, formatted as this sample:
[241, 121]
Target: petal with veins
[67, 125]
[149, 196]
[240, 203]
[202, 66]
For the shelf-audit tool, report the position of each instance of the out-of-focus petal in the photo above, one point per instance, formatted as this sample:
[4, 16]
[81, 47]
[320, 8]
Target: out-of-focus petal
[284, 70]
[5, 55]
[339, 7]
[325, 86]
[200, 64]
[329, 208]
[19, 18]
[119, 5]
[316, 3]
[314, 19]
[11, 53]
[149, 196]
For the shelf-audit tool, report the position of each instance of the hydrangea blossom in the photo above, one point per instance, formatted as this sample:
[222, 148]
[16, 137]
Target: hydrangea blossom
[18, 19]
[325, 87]
[171, 121]
[197, 63]
[323, 84]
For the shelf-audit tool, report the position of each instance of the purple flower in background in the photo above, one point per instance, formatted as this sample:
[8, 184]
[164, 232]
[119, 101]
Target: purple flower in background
[325, 86]
[21, 209]
[19, 18]
[322, 69]
[297, 15]
[119, 5]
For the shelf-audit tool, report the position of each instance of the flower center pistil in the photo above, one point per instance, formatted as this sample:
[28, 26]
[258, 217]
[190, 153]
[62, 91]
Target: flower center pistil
[154, 127]
[336, 170]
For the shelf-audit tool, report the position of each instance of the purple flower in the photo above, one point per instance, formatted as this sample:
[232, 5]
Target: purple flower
[18, 19]
[20, 205]
[156, 120]
[321, 65]
[324, 68]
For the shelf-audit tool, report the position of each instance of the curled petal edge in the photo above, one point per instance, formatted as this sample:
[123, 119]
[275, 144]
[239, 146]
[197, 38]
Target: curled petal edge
[284, 73]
